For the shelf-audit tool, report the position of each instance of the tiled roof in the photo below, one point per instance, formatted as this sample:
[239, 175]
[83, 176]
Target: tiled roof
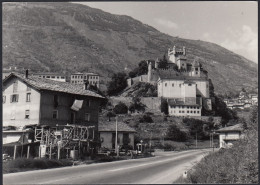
[237, 127]
[180, 101]
[51, 85]
[111, 127]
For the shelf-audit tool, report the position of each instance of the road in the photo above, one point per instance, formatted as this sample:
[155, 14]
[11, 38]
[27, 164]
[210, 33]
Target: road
[164, 168]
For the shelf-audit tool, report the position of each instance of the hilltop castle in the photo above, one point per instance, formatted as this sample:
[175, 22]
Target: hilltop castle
[183, 83]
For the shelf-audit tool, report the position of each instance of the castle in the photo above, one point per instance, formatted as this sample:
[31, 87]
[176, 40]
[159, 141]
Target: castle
[183, 83]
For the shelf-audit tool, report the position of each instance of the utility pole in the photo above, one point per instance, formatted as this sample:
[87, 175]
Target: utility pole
[116, 147]
[196, 141]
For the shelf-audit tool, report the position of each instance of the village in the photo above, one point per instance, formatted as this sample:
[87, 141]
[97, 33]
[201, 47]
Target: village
[49, 117]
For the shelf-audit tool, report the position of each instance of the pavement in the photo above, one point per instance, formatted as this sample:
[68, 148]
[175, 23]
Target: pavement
[164, 168]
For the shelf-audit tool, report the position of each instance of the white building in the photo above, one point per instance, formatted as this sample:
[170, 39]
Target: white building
[51, 76]
[228, 135]
[81, 78]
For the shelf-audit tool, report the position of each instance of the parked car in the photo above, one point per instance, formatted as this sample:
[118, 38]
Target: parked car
[6, 157]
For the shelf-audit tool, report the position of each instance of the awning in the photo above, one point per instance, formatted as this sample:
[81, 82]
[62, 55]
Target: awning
[77, 105]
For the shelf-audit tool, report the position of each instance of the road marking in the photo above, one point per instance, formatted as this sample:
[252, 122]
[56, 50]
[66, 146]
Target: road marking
[152, 163]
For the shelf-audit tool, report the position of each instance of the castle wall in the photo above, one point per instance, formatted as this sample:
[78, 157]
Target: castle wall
[203, 88]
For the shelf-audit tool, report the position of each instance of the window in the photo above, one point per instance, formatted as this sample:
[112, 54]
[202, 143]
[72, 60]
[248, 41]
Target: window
[183, 111]
[87, 116]
[165, 84]
[43, 76]
[188, 107]
[15, 86]
[196, 69]
[55, 100]
[196, 73]
[27, 114]
[179, 85]
[189, 84]
[4, 99]
[52, 76]
[40, 76]
[198, 112]
[48, 77]
[62, 77]
[28, 97]
[14, 98]
[179, 111]
[58, 77]
[188, 111]
[55, 114]
[172, 84]
[88, 103]
[191, 111]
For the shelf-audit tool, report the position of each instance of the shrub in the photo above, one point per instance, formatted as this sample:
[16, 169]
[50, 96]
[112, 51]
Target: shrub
[164, 107]
[175, 134]
[146, 119]
[121, 108]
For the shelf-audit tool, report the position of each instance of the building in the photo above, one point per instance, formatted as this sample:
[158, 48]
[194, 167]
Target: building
[107, 132]
[81, 78]
[30, 100]
[51, 76]
[228, 135]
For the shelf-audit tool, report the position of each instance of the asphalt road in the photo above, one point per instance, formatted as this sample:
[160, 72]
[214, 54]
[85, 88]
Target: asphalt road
[164, 168]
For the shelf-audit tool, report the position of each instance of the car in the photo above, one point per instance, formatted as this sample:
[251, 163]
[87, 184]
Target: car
[6, 157]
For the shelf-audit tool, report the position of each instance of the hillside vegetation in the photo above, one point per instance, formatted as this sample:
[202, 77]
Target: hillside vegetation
[68, 37]
[238, 164]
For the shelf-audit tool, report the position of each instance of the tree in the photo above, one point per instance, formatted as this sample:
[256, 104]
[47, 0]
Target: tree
[164, 107]
[175, 134]
[146, 119]
[142, 68]
[136, 105]
[120, 108]
[117, 84]
[163, 63]
[110, 114]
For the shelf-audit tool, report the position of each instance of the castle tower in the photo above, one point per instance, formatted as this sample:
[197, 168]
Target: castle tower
[195, 69]
[156, 63]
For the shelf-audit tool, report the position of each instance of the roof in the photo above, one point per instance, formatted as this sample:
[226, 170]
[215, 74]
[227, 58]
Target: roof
[50, 85]
[180, 101]
[48, 73]
[237, 127]
[111, 127]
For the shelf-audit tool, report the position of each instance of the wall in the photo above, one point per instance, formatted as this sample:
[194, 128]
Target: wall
[107, 139]
[203, 88]
[14, 113]
[170, 88]
[152, 103]
[228, 135]
[65, 101]
[184, 110]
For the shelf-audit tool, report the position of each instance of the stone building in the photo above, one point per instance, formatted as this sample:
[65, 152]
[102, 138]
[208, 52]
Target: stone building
[182, 82]
[81, 78]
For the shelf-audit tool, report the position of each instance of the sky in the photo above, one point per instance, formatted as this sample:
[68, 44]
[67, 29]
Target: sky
[232, 24]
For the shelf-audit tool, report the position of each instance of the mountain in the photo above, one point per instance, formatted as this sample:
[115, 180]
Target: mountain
[67, 37]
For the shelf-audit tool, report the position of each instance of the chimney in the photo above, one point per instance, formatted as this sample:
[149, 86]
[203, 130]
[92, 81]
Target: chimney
[26, 73]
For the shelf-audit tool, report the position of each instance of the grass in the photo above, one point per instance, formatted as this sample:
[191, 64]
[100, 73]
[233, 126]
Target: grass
[22, 164]
[238, 164]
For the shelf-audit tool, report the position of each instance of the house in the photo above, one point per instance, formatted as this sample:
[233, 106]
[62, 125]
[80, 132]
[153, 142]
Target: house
[228, 135]
[107, 132]
[51, 76]
[30, 100]
[81, 78]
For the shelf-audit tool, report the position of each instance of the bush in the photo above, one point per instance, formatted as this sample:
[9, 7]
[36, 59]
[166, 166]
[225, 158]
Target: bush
[22, 164]
[238, 164]
[117, 84]
[175, 134]
[146, 119]
[164, 107]
[120, 108]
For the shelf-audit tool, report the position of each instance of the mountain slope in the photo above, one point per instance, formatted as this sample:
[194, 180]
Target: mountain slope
[68, 37]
